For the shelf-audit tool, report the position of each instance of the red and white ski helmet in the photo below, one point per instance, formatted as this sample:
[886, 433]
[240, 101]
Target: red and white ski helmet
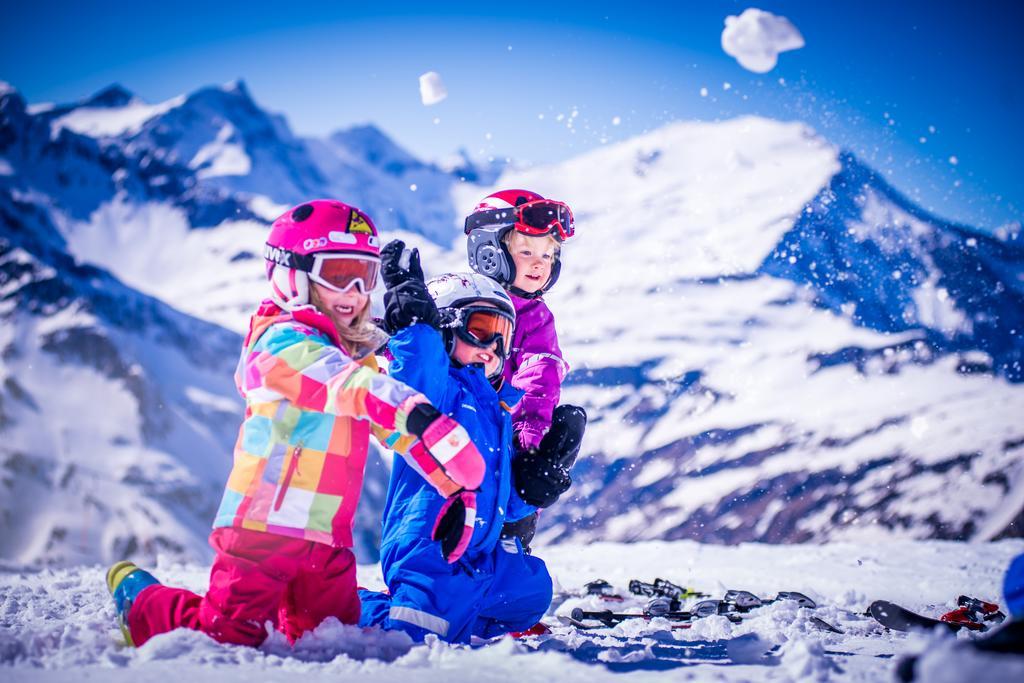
[485, 245]
[506, 199]
[322, 225]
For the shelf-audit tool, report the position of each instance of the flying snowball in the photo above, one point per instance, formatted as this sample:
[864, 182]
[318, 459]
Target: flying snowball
[432, 88]
[755, 38]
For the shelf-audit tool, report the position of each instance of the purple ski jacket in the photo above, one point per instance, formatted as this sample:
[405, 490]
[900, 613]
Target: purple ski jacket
[535, 365]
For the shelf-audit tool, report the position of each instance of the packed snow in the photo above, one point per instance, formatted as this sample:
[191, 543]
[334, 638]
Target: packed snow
[58, 625]
[755, 38]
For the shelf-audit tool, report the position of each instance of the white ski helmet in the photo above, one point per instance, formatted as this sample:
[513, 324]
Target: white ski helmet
[454, 290]
[458, 294]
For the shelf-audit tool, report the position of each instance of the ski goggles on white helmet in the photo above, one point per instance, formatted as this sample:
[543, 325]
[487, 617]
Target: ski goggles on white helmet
[539, 217]
[482, 326]
[341, 272]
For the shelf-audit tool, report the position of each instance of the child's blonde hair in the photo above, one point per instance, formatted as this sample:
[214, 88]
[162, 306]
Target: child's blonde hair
[510, 235]
[361, 331]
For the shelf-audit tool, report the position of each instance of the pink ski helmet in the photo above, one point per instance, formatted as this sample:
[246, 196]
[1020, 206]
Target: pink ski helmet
[301, 239]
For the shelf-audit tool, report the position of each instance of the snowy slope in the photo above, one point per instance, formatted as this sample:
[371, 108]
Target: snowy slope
[115, 409]
[58, 625]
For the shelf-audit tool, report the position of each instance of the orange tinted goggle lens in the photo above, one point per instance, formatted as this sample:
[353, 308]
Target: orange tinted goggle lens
[484, 326]
[342, 273]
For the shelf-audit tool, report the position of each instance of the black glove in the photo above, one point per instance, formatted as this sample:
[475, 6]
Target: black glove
[394, 269]
[523, 529]
[538, 481]
[562, 443]
[406, 300]
[541, 475]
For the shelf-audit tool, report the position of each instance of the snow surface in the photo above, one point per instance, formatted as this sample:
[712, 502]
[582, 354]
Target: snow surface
[58, 625]
[223, 156]
[755, 38]
[432, 88]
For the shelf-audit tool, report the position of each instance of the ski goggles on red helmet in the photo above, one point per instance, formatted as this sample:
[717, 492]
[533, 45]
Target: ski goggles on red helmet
[539, 217]
[481, 326]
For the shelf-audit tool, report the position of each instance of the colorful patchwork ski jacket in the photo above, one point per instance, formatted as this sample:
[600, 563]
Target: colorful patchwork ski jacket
[310, 409]
[535, 366]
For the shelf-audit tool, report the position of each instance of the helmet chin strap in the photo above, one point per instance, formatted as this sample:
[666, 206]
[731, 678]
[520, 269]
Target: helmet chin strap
[523, 294]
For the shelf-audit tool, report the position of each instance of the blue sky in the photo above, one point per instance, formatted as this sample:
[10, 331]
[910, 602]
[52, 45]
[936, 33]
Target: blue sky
[905, 85]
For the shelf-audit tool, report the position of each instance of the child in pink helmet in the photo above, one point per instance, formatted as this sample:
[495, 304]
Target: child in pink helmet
[516, 237]
[283, 533]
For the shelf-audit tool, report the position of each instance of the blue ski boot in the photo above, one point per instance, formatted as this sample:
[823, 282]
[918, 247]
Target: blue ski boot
[125, 581]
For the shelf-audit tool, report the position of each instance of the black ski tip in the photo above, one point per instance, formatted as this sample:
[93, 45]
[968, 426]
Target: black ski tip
[825, 626]
[892, 616]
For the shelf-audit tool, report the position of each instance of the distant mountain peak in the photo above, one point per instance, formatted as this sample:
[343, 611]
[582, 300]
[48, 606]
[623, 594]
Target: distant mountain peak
[113, 96]
[369, 143]
[237, 86]
[9, 94]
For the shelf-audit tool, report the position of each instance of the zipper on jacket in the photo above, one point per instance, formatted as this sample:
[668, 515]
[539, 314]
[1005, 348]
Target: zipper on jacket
[293, 465]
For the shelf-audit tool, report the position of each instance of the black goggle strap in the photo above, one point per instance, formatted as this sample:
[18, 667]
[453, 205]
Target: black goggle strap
[289, 259]
[490, 217]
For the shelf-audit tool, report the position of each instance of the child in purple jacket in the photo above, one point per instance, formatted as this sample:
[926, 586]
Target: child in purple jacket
[515, 237]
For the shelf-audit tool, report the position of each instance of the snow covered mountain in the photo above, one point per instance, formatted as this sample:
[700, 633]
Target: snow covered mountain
[772, 344]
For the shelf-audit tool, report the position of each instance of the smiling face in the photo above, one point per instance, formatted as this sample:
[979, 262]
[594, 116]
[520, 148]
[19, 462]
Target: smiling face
[467, 354]
[533, 258]
[341, 307]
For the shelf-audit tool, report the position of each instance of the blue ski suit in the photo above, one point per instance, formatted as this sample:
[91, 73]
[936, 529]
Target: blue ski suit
[1013, 587]
[495, 587]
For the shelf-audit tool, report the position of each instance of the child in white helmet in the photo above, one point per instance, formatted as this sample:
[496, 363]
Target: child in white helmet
[450, 340]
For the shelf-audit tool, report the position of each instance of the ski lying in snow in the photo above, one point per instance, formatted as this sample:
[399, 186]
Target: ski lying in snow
[735, 604]
[892, 616]
[655, 609]
[971, 613]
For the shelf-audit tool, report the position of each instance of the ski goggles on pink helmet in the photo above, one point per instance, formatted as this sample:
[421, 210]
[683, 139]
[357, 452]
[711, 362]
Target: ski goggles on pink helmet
[539, 217]
[337, 271]
[342, 272]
